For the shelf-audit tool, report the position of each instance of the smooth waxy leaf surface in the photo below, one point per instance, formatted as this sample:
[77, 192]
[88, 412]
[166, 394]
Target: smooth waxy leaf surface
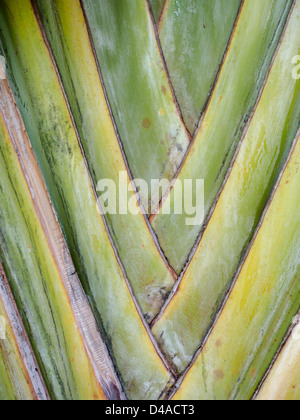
[194, 36]
[254, 41]
[145, 266]
[54, 140]
[150, 127]
[261, 305]
[253, 175]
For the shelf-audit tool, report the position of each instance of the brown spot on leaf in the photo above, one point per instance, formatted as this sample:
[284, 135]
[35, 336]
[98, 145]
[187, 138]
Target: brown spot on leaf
[168, 138]
[219, 374]
[218, 343]
[147, 123]
[164, 90]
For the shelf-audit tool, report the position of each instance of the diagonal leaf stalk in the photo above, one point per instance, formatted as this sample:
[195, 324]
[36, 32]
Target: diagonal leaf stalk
[282, 382]
[147, 270]
[194, 36]
[261, 304]
[60, 323]
[239, 83]
[20, 377]
[50, 125]
[137, 84]
[258, 161]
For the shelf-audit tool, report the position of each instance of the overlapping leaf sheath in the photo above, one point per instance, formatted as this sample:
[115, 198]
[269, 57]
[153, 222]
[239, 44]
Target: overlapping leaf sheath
[53, 136]
[51, 301]
[151, 130]
[262, 303]
[157, 6]
[145, 266]
[20, 378]
[254, 172]
[253, 43]
[98, 96]
[194, 36]
[283, 381]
